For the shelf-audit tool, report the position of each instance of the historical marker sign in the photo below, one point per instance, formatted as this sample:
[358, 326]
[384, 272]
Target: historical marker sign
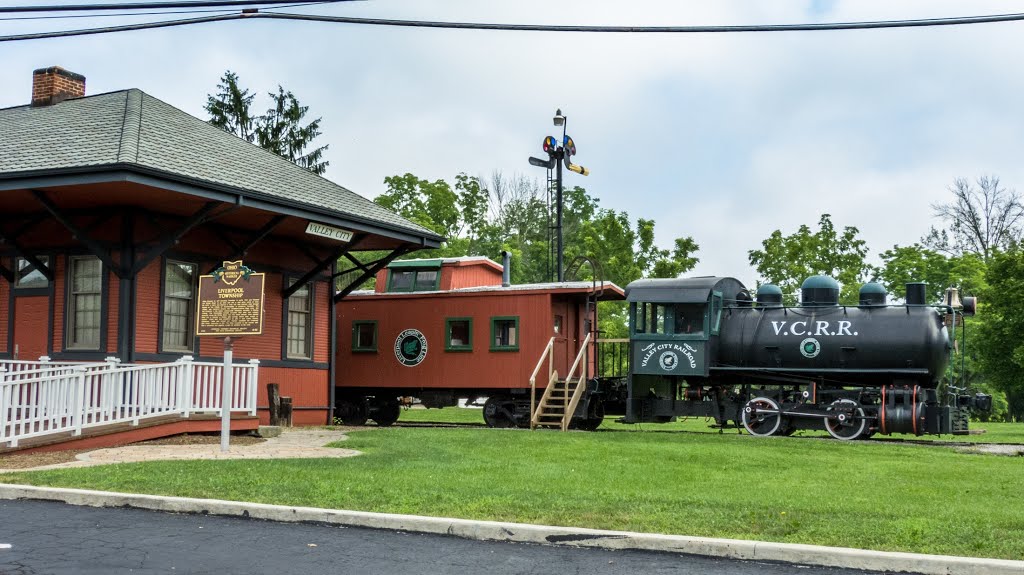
[230, 302]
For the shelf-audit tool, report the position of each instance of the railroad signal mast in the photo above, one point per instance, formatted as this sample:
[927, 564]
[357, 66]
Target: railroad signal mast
[559, 154]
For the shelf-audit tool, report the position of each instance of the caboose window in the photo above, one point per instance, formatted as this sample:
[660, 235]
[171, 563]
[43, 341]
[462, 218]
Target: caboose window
[364, 336]
[505, 333]
[413, 280]
[426, 280]
[401, 281]
[458, 334]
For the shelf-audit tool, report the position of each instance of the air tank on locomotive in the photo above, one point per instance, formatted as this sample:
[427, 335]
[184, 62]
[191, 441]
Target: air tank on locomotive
[869, 344]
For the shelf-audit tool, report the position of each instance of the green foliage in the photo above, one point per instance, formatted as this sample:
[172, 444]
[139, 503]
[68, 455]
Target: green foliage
[787, 261]
[512, 215]
[279, 130]
[1001, 346]
[915, 263]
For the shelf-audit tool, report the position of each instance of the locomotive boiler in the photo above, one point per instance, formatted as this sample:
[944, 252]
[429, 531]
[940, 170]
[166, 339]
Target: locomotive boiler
[704, 347]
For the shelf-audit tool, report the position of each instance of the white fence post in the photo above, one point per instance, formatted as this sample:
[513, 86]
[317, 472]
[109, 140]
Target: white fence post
[254, 381]
[78, 380]
[4, 403]
[185, 379]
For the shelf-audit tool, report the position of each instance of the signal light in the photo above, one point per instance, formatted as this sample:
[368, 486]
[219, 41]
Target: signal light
[550, 144]
[570, 147]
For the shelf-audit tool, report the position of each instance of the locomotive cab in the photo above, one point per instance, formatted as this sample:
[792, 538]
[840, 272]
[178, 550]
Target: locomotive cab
[674, 328]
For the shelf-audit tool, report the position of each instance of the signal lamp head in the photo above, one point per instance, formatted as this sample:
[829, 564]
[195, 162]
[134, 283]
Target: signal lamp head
[559, 119]
[569, 146]
[550, 144]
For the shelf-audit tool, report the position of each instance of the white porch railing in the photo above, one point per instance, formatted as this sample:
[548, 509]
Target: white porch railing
[43, 398]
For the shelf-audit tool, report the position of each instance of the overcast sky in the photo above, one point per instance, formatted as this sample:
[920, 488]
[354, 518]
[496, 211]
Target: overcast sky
[722, 137]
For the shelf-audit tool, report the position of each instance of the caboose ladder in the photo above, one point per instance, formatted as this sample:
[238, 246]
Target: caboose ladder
[561, 396]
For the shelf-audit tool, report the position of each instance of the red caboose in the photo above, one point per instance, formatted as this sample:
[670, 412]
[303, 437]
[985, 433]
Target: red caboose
[441, 330]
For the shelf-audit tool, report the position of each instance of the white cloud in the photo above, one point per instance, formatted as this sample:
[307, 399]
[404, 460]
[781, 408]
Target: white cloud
[721, 137]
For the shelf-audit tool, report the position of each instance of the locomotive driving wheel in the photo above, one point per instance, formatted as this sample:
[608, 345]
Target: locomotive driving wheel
[845, 420]
[762, 417]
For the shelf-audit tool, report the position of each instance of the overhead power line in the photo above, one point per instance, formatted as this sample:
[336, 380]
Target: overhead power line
[147, 5]
[250, 14]
[231, 10]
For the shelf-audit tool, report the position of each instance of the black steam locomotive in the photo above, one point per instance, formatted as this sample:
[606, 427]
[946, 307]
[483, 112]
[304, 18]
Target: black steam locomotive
[704, 347]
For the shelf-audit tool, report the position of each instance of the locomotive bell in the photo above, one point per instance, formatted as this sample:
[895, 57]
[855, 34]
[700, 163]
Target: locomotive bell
[953, 297]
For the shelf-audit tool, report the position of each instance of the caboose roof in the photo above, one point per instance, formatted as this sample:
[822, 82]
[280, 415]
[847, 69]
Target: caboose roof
[612, 292]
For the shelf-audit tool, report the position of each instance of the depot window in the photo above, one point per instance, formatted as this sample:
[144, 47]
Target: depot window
[300, 324]
[85, 299]
[28, 276]
[179, 288]
[505, 333]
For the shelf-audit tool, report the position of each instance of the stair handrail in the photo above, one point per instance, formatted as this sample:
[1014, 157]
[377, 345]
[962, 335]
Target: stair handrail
[535, 414]
[548, 352]
[581, 384]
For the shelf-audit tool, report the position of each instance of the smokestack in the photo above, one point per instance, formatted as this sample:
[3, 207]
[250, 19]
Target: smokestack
[55, 84]
[506, 268]
[917, 293]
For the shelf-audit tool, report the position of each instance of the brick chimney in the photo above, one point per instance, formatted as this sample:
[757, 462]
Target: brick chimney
[55, 84]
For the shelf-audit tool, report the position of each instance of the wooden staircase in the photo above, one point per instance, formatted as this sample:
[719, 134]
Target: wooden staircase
[561, 396]
[554, 404]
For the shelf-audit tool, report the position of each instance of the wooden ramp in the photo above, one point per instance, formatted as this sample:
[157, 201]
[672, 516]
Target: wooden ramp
[117, 434]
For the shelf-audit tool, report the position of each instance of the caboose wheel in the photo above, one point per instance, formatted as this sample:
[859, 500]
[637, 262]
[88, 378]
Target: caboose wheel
[762, 417]
[846, 420]
[387, 413]
[352, 412]
[499, 412]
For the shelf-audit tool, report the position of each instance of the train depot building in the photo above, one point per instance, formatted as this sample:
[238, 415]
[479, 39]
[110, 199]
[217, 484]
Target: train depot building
[112, 206]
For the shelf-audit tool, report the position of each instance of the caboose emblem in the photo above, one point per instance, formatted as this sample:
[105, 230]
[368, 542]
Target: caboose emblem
[410, 347]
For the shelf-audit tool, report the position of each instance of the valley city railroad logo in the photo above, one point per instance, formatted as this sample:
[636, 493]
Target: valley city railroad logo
[668, 360]
[410, 347]
[810, 347]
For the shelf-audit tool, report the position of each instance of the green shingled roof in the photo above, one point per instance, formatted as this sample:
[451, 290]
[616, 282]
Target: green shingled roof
[131, 129]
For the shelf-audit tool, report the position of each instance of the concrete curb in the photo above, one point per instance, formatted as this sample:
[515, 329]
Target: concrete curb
[523, 533]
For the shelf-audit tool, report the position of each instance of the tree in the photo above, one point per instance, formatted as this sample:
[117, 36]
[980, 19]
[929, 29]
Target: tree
[1000, 346]
[904, 264]
[279, 130]
[788, 260]
[981, 219]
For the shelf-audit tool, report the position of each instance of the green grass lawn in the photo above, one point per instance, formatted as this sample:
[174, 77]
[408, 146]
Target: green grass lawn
[996, 432]
[873, 495]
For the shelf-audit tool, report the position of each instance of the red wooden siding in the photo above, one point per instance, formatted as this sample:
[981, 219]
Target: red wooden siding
[112, 308]
[322, 324]
[463, 276]
[5, 311]
[478, 368]
[59, 283]
[147, 308]
[306, 387]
